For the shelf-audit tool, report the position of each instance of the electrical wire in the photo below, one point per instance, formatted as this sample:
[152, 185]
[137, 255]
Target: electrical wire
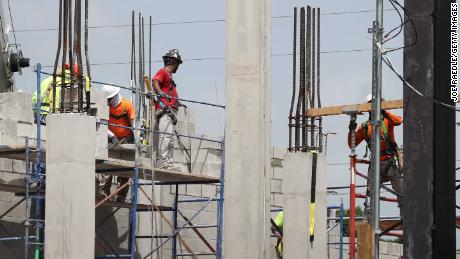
[412, 24]
[192, 21]
[12, 25]
[221, 58]
[400, 27]
[387, 61]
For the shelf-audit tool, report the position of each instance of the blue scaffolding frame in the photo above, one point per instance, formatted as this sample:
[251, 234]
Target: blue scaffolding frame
[35, 176]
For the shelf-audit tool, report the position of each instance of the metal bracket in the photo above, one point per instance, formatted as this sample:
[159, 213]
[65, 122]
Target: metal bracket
[374, 28]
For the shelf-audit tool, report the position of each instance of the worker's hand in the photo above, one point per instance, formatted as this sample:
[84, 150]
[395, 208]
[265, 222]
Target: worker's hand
[352, 125]
[115, 141]
[148, 95]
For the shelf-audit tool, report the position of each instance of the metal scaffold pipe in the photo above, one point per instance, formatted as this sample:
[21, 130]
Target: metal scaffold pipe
[376, 123]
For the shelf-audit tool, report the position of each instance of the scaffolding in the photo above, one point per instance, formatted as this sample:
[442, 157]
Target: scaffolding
[34, 189]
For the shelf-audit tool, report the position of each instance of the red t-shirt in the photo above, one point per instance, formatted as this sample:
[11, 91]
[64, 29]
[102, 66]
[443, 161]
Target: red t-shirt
[167, 86]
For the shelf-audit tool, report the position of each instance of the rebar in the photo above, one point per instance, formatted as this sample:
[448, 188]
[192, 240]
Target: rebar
[56, 61]
[308, 75]
[318, 68]
[70, 53]
[64, 53]
[88, 65]
[294, 76]
[301, 96]
[313, 78]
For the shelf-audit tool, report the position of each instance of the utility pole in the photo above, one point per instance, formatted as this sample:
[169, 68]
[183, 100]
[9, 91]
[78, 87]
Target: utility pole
[429, 133]
[377, 32]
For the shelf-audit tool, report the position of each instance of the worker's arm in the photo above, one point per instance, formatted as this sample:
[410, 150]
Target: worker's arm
[395, 119]
[156, 85]
[359, 137]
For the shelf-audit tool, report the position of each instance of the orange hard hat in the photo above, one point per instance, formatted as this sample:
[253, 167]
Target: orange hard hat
[75, 68]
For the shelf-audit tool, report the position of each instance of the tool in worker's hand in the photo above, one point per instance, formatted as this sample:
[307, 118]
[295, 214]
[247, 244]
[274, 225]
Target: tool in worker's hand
[150, 93]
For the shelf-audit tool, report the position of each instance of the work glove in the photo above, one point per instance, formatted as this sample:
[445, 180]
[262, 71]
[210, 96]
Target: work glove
[148, 95]
[352, 125]
[115, 141]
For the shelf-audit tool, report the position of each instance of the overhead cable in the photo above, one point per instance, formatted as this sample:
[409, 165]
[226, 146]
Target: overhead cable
[192, 21]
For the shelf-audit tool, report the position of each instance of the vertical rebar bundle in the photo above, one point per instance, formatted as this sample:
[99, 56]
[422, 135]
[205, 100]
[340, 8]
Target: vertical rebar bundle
[72, 82]
[308, 97]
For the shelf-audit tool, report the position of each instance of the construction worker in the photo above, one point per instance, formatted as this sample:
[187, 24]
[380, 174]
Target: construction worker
[277, 230]
[389, 162]
[46, 91]
[121, 113]
[166, 107]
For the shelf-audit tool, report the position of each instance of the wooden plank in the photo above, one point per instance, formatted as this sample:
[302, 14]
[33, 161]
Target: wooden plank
[387, 224]
[346, 109]
[125, 168]
[364, 239]
[129, 205]
[118, 167]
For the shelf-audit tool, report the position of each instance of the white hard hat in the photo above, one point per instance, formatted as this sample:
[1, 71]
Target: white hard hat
[111, 90]
[369, 98]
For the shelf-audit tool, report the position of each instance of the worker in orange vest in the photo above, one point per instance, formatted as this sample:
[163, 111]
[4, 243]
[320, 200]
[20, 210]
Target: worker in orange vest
[390, 169]
[121, 114]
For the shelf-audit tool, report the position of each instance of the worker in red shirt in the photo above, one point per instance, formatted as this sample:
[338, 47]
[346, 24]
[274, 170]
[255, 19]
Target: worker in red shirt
[390, 169]
[121, 112]
[166, 107]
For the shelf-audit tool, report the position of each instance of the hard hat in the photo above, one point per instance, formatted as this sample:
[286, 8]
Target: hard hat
[75, 68]
[173, 54]
[369, 98]
[111, 90]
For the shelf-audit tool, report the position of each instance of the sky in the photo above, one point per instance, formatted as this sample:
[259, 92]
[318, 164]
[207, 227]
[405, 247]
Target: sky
[345, 76]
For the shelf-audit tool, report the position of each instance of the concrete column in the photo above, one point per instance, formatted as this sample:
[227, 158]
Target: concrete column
[247, 150]
[70, 185]
[297, 172]
[296, 187]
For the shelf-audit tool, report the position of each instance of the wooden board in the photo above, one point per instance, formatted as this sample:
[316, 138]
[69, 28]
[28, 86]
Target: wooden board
[14, 188]
[19, 153]
[354, 108]
[126, 168]
[128, 205]
[387, 224]
[119, 167]
[364, 235]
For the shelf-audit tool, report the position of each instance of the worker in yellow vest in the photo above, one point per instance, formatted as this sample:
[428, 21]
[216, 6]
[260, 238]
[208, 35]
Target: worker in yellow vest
[46, 91]
[277, 230]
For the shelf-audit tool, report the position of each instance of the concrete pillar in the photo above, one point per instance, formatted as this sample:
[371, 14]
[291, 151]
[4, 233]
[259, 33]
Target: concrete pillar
[297, 182]
[248, 110]
[296, 186]
[70, 185]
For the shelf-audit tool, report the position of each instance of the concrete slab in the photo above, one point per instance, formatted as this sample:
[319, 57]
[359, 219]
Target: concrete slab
[70, 185]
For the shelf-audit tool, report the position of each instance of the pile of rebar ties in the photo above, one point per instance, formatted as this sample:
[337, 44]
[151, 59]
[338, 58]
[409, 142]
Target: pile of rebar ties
[72, 82]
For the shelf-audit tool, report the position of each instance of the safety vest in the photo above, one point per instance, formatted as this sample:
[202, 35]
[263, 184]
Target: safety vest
[391, 145]
[124, 114]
